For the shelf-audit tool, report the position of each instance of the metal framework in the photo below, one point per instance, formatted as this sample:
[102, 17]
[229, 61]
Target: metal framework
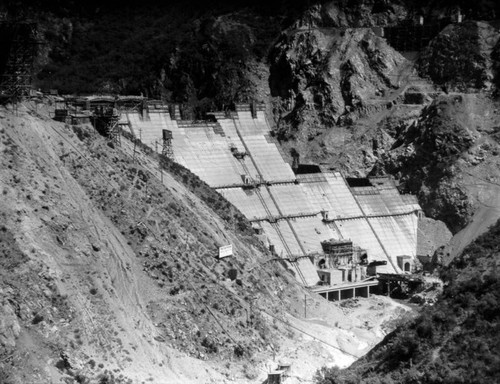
[167, 149]
[114, 133]
[105, 121]
[340, 252]
[19, 44]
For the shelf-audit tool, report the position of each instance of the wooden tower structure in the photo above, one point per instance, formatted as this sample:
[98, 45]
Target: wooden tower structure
[18, 48]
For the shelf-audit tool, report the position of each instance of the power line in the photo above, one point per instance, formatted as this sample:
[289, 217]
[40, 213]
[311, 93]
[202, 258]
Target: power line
[306, 333]
[197, 293]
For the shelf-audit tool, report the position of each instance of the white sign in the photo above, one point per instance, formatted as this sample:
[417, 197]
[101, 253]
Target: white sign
[225, 251]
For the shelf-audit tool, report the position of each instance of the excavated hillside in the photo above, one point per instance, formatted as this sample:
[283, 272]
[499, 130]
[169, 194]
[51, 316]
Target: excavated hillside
[327, 77]
[109, 272]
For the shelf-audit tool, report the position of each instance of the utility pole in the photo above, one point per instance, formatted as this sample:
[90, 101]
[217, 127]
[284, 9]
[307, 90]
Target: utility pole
[305, 306]
[159, 162]
[135, 144]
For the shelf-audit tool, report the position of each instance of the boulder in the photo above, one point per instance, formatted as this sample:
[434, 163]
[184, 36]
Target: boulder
[9, 325]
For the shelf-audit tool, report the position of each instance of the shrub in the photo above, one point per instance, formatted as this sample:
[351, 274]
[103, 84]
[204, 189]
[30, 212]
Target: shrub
[239, 351]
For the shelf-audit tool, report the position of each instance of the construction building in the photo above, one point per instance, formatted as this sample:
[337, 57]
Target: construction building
[102, 111]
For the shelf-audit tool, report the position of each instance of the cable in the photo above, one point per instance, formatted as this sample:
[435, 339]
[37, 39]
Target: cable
[239, 299]
[306, 333]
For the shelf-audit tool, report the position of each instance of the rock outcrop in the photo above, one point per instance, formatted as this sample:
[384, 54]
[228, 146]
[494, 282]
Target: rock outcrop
[445, 154]
[9, 326]
[323, 76]
[436, 141]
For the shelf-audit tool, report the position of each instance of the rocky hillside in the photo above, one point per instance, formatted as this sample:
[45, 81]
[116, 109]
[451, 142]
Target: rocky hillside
[327, 77]
[105, 273]
[355, 14]
[455, 341]
[448, 156]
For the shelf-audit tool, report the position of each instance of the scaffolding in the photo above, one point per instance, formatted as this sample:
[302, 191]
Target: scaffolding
[337, 252]
[18, 44]
[115, 133]
[105, 121]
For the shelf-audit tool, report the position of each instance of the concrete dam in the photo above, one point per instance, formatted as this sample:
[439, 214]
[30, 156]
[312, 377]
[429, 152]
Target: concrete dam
[318, 222]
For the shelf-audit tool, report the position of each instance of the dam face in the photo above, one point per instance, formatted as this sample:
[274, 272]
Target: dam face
[302, 216]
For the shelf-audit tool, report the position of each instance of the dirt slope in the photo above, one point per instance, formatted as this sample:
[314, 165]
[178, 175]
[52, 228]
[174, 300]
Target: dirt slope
[89, 302]
[106, 274]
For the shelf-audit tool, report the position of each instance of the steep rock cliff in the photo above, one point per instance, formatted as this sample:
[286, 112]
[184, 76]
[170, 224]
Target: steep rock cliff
[321, 75]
